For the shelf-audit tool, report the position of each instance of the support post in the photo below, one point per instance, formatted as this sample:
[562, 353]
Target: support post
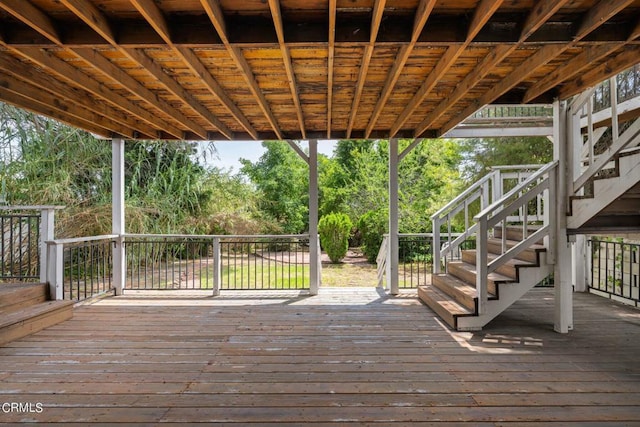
[117, 214]
[579, 254]
[55, 270]
[217, 266]
[314, 241]
[393, 254]
[47, 233]
[563, 317]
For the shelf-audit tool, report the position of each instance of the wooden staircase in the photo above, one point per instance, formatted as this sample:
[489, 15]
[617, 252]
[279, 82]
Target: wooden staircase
[613, 202]
[25, 308]
[453, 295]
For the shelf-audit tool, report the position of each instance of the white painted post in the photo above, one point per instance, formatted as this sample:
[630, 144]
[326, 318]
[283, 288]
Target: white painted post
[117, 214]
[217, 266]
[55, 270]
[563, 318]
[482, 262]
[579, 254]
[47, 233]
[314, 241]
[393, 255]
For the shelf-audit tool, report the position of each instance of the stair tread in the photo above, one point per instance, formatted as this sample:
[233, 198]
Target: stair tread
[512, 262]
[30, 312]
[446, 301]
[512, 243]
[496, 277]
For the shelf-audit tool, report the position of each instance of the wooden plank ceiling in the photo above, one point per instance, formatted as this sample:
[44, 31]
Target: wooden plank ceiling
[294, 69]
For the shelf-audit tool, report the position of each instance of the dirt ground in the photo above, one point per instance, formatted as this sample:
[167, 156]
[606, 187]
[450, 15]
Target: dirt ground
[354, 270]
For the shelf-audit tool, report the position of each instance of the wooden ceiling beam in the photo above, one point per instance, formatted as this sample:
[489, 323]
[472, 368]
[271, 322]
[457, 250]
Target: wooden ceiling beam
[213, 10]
[73, 95]
[152, 13]
[93, 17]
[276, 14]
[578, 64]
[625, 59]
[422, 14]
[132, 85]
[33, 17]
[541, 12]
[72, 110]
[47, 110]
[376, 18]
[482, 14]
[333, 5]
[541, 57]
[76, 77]
[600, 13]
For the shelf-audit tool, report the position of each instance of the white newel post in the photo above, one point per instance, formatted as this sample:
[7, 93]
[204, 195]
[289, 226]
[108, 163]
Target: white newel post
[55, 270]
[217, 266]
[47, 233]
[117, 214]
[563, 317]
[393, 254]
[314, 243]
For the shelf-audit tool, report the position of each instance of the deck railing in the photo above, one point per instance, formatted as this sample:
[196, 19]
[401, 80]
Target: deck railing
[215, 263]
[615, 270]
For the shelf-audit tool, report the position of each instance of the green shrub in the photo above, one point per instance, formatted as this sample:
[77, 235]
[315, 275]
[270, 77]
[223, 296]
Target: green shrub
[372, 226]
[334, 230]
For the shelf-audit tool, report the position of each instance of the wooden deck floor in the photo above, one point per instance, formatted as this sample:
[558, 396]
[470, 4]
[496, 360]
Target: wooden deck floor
[345, 356]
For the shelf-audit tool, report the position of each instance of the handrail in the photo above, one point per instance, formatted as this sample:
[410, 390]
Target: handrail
[535, 176]
[476, 186]
[498, 212]
[72, 240]
[221, 236]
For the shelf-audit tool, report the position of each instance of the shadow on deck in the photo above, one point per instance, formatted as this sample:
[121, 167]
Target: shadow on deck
[345, 356]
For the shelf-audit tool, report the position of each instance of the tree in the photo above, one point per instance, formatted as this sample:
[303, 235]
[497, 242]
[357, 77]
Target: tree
[335, 229]
[282, 179]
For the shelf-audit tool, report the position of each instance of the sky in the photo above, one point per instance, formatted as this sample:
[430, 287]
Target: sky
[230, 152]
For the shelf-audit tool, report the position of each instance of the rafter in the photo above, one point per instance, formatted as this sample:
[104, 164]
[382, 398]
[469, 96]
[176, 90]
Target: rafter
[93, 17]
[73, 110]
[333, 4]
[46, 110]
[482, 14]
[276, 14]
[212, 7]
[378, 10]
[594, 18]
[569, 70]
[635, 32]
[601, 12]
[422, 14]
[541, 12]
[132, 85]
[625, 59]
[33, 17]
[541, 57]
[76, 77]
[73, 95]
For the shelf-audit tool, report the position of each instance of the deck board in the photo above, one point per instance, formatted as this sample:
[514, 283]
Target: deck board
[343, 357]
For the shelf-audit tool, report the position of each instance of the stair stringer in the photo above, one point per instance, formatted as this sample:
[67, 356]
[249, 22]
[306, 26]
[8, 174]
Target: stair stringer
[605, 191]
[509, 293]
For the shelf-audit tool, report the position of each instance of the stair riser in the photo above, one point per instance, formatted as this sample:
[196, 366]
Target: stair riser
[34, 324]
[462, 298]
[16, 297]
[513, 233]
[440, 311]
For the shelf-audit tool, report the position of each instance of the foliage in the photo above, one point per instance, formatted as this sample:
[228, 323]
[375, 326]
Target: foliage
[282, 180]
[372, 226]
[334, 230]
[479, 155]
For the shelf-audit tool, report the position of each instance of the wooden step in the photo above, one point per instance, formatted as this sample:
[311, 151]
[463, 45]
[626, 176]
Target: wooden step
[467, 273]
[463, 292]
[443, 305]
[16, 296]
[515, 232]
[509, 269]
[29, 320]
[530, 254]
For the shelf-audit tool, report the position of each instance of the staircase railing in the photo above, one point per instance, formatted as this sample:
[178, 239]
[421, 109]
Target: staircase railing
[488, 189]
[539, 184]
[589, 159]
